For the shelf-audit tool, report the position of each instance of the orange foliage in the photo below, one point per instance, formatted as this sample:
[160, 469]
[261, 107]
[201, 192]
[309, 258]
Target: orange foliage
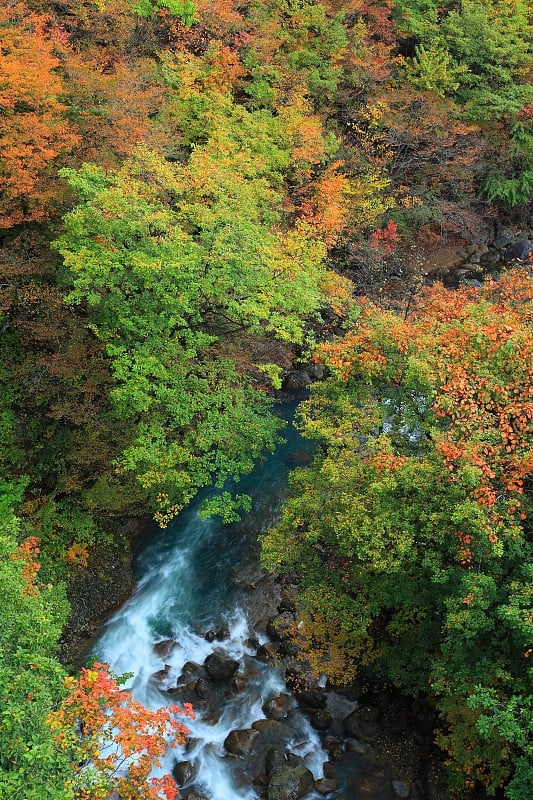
[27, 551]
[121, 739]
[33, 131]
[327, 208]
[477, 348]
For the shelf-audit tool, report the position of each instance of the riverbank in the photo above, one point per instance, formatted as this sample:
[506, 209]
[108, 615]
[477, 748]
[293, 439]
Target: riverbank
[99, 590]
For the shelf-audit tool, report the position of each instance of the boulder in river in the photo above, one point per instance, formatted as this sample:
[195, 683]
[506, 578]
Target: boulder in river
[326, 785]
[164, 648]
[277, 707]
[241, 742]
[290, 783]
[183, 772]
[220, 666]
[274, 761]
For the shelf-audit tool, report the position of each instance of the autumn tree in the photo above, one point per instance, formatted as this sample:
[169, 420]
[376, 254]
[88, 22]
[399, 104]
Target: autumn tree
[410, 531]
[33, 128]
[113, 743]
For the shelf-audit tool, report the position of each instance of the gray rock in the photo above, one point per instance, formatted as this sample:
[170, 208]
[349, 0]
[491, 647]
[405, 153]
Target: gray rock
[295, 380]
[502, 242]
[490, 259]
[315, 371]
[195, 796]
[326, 785]
[241, 742]
[519, 251]
[220, 666]
[183, 772]
[277, 707]
[290, 783]
[401, 789]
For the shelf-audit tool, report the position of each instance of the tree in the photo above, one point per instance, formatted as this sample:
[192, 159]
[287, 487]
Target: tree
[412, 524]
[31, 679]
[174, 260]
[33, 129]
[113, 743]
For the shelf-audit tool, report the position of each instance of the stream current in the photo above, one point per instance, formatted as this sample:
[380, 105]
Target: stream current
[185, 588]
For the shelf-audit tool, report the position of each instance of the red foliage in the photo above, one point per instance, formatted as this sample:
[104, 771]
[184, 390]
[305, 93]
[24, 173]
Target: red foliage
[121, 739]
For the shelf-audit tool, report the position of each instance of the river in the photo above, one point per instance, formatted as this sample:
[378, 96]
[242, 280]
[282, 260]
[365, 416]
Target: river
[185, 589]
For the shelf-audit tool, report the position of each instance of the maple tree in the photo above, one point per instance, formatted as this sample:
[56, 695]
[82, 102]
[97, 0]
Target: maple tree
[33, 128]
[412, 524]
[114, 742]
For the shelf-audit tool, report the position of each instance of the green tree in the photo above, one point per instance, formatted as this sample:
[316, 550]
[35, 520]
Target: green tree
[174, 262]
[410, 530]
[31, 679]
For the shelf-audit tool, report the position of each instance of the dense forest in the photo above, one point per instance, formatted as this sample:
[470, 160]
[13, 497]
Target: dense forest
[196, 197]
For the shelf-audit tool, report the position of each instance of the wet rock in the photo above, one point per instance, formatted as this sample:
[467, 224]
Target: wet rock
[220, 666]
[162, 674]
[195, 796]
[290, 783]
[275, 760]
[268, 651]
[295, 380]
[272, 731]
[277, 707]
[219, 634]
[183, 772]
[241, 742]
[401, 789]
[164, 648]
[321, 719]
[202, 687]
[189, 671]
[326, 785]
[362, 723]
[239, 684]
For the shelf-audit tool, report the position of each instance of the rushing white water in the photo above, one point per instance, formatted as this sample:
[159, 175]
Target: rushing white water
[184, 589]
